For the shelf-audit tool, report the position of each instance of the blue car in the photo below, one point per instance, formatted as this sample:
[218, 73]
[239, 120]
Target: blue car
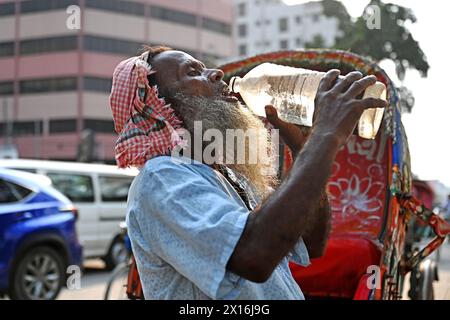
[38, 239]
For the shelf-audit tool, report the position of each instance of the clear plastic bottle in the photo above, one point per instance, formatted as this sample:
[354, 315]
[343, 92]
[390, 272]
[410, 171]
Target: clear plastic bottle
[292, 92]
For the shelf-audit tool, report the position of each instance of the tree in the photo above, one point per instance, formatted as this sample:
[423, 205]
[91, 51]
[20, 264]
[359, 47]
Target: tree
[317, 42]
[392, 40]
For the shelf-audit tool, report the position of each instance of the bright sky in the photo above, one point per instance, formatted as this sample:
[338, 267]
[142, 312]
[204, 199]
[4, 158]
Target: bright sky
[428, 126]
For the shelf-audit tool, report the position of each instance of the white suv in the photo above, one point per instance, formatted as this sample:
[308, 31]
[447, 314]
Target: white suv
[99, 192]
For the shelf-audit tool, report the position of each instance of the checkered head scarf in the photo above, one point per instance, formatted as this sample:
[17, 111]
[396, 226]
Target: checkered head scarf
[147, 126]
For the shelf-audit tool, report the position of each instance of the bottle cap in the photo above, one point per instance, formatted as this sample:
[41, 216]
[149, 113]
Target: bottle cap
[233, 87]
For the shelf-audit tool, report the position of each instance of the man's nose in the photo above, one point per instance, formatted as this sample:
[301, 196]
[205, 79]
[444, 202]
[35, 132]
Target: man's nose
[216, 75]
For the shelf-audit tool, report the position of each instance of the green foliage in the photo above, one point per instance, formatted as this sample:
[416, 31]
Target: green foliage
[317, 42]
[392, 41]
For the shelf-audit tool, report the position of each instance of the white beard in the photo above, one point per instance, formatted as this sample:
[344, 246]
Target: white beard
[215, 113]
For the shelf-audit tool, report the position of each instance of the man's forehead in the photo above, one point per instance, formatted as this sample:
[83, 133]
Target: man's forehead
[173, 58]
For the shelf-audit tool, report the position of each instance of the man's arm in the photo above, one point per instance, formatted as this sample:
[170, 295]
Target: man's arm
[316, 237]
[275, 227]
[295, 137]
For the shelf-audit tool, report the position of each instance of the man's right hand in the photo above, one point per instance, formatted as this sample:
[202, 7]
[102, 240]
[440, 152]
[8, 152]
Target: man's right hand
[337, 107]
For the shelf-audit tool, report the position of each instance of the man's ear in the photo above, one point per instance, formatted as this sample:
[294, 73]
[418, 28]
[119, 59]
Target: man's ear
[152, 80]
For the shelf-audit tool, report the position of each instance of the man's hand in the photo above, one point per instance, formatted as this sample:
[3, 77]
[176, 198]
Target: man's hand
[337, 109]
[293, 135]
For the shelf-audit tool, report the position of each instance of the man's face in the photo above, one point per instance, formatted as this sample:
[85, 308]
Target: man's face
[198, 94]
[178, 72]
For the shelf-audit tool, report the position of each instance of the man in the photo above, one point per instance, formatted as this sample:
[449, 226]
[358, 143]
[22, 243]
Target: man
[201, 230]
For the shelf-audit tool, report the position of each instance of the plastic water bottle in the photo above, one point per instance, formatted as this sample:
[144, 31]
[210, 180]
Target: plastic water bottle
[292, 92]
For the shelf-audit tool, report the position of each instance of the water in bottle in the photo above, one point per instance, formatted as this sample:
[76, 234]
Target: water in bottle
[292, 92]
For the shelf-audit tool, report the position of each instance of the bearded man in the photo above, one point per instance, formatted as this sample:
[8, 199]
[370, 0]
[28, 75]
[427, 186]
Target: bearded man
[218, 230]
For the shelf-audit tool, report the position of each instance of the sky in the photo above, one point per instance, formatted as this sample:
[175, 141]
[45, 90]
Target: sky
[428, 126]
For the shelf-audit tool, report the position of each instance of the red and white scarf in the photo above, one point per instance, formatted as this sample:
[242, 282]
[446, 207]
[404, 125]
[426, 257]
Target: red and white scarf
[147, 126]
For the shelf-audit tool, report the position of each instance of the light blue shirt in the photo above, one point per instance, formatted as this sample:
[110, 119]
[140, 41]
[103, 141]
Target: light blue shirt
[184, 221]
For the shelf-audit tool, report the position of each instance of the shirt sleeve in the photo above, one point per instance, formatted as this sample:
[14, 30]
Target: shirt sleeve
[299, 254]
[192, 223]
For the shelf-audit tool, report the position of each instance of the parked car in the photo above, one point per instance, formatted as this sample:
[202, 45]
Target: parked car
[99, 192]
[38, 239]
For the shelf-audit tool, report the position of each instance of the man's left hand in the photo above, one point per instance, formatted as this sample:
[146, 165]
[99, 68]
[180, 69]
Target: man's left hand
[293, 135]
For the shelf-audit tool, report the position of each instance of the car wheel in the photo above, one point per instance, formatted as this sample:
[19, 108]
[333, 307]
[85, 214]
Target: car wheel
[117, 254]
[39, 275]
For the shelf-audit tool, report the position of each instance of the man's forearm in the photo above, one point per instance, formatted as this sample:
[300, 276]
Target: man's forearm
[316, 237]
[272, 231]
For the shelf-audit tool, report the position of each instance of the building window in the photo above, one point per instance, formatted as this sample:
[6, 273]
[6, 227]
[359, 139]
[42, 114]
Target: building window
[62, 126]
[48, 85]
[216, 26]
[7, 9]
[6, 88]
[242, 50]
[126, 7]
[283, 24]
[97, 84]
[284, 44]
[24, 128]
[242, 9]
[298, 42]
[45, 5]
[316, 17]
[121, 47]
[266, 45]
[173, 15]
[242, 30]
[6, 49]
[65, 43]
[99, 126]
[210, 60]
[125, 47]
[298, 20]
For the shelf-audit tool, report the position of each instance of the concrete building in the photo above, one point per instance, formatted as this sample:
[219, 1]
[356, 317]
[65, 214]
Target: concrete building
[271, 25]
[55, 81]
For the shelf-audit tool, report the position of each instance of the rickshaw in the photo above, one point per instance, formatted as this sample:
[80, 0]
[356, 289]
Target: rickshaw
[369, 193]
[370, 197]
